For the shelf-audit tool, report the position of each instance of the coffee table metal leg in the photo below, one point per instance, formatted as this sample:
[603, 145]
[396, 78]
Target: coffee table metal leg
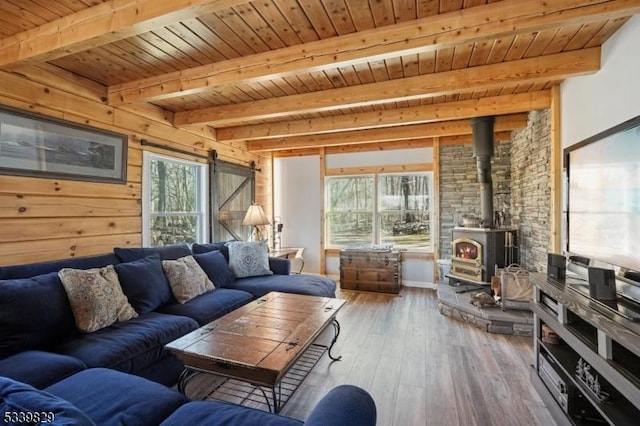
[276, 397]
[336, 331]
[185, 377]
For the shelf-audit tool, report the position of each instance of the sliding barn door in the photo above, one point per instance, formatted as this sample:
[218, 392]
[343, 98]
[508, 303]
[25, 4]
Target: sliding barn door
[232, 191]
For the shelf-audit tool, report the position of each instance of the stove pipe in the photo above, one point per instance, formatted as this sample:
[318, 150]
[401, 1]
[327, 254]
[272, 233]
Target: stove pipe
[482, 128]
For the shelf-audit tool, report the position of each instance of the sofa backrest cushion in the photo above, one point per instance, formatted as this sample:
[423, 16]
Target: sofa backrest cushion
[216, 267]
[204, 248]
[34, 313]
[23, 404]
[144, 283]
[40, 268]
[171, 252]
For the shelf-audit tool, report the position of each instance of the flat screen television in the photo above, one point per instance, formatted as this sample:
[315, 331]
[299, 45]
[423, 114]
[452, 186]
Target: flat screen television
[603, 196]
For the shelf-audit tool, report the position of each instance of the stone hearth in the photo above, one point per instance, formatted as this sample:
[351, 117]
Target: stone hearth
[493, 319]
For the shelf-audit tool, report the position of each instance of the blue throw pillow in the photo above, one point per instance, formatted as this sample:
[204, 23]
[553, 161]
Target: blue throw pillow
[171, 252]
[144, 283]
[22, 404]
[207, 247]
[216, 267]
[34, 313]
[249, 259]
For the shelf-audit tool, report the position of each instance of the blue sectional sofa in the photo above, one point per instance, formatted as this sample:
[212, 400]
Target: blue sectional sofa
[41, 347]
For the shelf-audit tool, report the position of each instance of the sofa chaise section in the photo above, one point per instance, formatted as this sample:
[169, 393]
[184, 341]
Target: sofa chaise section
[281, 279]
[312, 285]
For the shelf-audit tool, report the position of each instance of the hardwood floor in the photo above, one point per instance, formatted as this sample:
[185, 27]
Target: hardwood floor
[423, 368]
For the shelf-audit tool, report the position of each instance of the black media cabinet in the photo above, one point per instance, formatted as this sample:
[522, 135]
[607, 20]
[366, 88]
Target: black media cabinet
[582, 347]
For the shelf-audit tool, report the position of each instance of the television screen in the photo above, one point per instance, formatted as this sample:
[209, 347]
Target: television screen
[603, 215]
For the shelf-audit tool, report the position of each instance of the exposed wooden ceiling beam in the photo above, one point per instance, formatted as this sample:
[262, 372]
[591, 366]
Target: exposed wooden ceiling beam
[399, 133]
[384, 146]
[101, 24]
[496, 105]
[508, 17]
[487, 77]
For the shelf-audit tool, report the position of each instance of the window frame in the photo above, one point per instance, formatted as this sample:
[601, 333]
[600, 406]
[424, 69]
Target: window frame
[378, 211]
[202, 200]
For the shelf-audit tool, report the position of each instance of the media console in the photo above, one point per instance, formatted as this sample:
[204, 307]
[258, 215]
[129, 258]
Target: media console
[587, 355]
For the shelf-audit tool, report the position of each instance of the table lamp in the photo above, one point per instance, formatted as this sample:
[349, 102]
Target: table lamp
[256, 217]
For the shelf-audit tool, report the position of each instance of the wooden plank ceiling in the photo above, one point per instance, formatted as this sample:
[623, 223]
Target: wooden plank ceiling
[287, 75]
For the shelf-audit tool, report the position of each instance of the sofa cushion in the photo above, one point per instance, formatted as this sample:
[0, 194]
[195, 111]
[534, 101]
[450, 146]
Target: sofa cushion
[221, 246]
[249, 258]
[210, 306]
[280, 265]
[170, 252]
[39, 369]
[314, 285]
[18, 400]
[225, 414]
[144, 283]
[96, 297]
[186, 278]
[113, 398]
[34, 312]
[128, 346]
[344, 405]
[216, 267]
[40, 268]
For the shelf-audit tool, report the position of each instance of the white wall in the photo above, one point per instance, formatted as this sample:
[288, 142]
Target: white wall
[593, 103]
[297, 197]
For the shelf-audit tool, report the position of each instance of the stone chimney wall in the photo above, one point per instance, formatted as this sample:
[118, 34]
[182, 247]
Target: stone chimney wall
[531, 189]
[521, 181]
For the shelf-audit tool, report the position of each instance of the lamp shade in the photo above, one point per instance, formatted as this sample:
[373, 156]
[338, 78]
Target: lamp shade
[255, 216]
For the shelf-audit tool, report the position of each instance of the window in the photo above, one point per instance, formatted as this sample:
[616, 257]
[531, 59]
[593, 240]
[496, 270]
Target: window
[174, 201]
[385, 208]
[350, 210]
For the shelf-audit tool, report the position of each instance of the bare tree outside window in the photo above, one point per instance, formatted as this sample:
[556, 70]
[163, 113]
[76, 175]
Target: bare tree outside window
[403, 207]
[350, 210]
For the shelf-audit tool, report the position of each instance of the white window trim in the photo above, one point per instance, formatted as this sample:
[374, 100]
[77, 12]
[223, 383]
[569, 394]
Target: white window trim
[203, 186]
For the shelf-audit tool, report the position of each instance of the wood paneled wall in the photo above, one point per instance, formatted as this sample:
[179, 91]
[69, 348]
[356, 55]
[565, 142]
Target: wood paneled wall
[47, 219]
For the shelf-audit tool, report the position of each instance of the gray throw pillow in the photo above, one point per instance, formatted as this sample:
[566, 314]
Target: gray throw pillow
[186, 278]
[96, 298]
[249, 259]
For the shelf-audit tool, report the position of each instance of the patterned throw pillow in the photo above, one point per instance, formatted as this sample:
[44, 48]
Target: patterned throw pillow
[96, 298]
[249, 259]
[186, 278]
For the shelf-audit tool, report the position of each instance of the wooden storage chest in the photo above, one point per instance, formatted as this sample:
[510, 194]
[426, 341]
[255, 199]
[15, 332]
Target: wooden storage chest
[371, 270]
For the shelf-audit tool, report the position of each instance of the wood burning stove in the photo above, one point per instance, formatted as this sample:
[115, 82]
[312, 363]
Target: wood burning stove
[477, 251]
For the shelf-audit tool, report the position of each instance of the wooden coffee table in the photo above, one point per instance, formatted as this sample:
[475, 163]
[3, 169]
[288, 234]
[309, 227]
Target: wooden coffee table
[259, 342]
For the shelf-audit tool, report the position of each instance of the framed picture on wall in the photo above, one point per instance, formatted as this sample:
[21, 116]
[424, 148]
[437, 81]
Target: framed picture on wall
[39, 146]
